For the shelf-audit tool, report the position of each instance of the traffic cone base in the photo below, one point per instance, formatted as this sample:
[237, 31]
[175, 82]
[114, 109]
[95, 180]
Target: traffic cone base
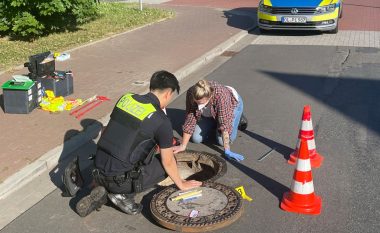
[292, 158]
[315, 159]
[310, 205]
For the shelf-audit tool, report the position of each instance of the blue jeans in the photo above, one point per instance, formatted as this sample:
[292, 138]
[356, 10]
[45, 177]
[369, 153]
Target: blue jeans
[207, 127]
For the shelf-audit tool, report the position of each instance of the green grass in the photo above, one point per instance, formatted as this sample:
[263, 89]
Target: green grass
[114, 18]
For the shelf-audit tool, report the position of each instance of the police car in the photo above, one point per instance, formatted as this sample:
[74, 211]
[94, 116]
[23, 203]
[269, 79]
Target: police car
[320, 15]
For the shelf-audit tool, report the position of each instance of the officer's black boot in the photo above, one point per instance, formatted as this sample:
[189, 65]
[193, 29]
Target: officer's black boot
[125, 203]
[243, 123]
[72, 178]
[91, 202]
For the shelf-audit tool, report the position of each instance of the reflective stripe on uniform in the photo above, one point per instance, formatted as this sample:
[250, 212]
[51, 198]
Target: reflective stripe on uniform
[134, 108]
[302, 188]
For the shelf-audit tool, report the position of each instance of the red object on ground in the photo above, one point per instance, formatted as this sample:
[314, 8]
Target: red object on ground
[301, 197]
[88, 107]
[307, 133]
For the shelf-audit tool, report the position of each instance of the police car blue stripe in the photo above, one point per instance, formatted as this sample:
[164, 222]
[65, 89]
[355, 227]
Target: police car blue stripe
[295, 3]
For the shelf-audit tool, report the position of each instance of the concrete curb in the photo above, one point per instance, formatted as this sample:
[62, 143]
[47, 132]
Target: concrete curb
[50, 159]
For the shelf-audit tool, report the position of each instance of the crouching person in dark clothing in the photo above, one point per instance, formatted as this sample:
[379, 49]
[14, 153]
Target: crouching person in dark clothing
[126, 161]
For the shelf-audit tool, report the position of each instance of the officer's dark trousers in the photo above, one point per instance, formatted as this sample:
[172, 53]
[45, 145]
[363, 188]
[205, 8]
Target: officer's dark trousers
[153, 173]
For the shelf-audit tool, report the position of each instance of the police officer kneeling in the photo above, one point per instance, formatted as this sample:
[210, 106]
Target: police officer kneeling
[126, 162]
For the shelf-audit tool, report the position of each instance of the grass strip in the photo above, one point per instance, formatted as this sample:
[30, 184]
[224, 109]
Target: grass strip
[113, 18]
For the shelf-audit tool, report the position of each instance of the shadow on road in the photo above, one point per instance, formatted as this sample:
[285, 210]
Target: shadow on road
[283, 33]
[67, 155]
[354, 97]
[243, 18]
[274, 187]
[280, 148]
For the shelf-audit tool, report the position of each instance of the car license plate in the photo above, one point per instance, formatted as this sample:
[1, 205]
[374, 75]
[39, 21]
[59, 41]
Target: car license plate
[294, 19]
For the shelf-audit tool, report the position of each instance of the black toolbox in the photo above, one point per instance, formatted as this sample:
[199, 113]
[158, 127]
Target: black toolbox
[40, 65]
[60, 82]
[20, 97]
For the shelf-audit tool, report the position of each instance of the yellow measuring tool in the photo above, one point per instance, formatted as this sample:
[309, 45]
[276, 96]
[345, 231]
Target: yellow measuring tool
[186, 195]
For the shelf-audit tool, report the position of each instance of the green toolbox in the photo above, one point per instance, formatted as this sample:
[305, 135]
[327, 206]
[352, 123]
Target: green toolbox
[20, 97]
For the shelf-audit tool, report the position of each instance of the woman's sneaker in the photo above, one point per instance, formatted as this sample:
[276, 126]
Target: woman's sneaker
[91, 202]
[125, 203]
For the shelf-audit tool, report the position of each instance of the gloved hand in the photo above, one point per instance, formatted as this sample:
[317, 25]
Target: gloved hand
[232, 155]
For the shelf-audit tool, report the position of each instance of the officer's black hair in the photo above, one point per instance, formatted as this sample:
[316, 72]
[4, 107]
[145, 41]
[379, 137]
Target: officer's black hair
[162, 80]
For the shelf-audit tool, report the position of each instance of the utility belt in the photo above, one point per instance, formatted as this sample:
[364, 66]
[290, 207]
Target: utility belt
[134, 177]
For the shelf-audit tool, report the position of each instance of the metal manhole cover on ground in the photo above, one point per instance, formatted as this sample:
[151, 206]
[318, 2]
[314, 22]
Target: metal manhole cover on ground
[219, 206]
[202, 166]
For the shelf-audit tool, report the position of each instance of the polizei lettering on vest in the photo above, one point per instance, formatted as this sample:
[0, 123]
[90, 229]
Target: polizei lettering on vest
[132, 107]
[136, 109]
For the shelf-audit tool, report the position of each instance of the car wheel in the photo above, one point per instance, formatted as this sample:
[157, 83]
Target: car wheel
[263, 31]
[335, 30]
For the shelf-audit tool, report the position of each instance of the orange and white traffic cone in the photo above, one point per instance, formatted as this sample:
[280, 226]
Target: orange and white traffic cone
[307, 133]
[301, 197]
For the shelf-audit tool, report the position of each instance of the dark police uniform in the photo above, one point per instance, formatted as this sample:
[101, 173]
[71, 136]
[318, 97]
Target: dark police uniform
[126, 149]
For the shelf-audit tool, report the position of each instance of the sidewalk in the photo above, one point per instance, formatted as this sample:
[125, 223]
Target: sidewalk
[34, 143]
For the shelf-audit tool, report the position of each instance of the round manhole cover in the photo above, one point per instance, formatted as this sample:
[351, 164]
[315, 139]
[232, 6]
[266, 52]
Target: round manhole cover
[218, 206]
[202, 166]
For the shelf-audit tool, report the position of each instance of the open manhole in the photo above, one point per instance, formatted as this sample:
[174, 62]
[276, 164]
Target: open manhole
[201, 166]
[219, 206]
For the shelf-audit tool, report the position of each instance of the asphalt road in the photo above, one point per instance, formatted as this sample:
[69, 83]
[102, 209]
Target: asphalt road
[342, 85]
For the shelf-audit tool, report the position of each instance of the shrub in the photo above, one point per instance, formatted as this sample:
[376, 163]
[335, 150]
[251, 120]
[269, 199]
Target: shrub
[31, 18]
